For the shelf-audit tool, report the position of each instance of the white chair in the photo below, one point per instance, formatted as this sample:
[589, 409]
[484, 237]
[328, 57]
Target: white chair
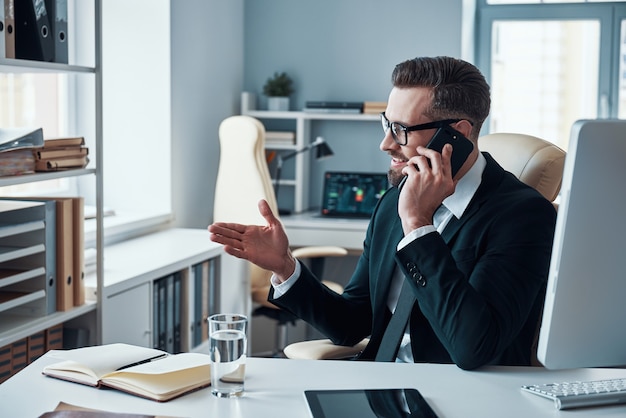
[243, 179]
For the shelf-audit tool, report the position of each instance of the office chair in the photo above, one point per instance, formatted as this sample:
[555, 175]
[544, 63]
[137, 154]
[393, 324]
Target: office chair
[534, 161]
[243, 179]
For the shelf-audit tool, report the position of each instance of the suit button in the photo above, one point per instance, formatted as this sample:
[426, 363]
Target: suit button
[421, 280]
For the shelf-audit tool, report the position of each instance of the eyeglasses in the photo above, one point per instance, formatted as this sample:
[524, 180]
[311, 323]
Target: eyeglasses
[399, 131]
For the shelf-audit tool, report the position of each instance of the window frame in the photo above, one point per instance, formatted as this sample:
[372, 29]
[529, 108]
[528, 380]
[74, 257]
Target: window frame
[610, 16]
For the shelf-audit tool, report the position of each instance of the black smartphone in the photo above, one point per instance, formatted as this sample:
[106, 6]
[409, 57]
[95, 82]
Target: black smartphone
[461, 146]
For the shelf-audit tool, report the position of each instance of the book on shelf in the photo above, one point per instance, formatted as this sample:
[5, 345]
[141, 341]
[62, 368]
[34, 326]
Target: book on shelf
[64, 142]
[16, 162]
[333, 105]
[60, 152]
[145, 372]
[332, 110]
[280, 137]
[374, 107]
[61, 163]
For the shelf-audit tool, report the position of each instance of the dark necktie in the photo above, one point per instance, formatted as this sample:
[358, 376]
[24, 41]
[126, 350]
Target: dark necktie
[390, 342]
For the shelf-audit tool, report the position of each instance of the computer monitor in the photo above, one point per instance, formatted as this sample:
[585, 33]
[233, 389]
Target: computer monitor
[350, 194]
[584, 318]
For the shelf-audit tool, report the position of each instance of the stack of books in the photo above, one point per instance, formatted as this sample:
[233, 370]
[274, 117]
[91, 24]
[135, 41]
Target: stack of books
[16, 162]
[280, 138]
[374, 108]
[16, 150]
[61, 153]
[333, 107]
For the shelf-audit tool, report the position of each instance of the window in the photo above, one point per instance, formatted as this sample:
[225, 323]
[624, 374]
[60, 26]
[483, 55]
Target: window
[35, 100]
[550, 64]
[136, 113]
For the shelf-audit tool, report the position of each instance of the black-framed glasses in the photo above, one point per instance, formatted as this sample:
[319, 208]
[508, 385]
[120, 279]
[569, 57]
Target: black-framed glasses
[399, 131]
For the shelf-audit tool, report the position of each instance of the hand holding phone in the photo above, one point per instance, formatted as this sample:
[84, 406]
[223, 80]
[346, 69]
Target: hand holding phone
[461, 148]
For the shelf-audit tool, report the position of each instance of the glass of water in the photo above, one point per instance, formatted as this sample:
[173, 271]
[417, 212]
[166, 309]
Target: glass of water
[228, 341]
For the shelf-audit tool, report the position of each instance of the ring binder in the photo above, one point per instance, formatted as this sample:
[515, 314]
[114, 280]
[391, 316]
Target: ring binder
[33, 36]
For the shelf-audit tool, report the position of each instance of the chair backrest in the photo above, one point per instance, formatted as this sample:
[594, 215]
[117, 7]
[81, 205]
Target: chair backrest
[243, 179]
[534, 161]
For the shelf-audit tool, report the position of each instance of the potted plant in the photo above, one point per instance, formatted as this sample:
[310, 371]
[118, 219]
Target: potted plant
[278, 89]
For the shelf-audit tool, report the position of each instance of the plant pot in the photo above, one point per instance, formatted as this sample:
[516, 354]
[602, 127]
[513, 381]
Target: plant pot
[278, 103]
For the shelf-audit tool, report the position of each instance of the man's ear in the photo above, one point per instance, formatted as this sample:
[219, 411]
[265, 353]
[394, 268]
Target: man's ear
[465, 127]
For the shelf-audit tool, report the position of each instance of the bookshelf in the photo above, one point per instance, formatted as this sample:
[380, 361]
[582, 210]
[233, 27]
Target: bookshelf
[84, 67]
[302, 122]
[134, 269]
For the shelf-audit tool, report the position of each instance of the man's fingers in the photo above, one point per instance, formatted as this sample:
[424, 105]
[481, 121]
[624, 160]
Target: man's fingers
[225, 231]
[226, 241]
[266, 212]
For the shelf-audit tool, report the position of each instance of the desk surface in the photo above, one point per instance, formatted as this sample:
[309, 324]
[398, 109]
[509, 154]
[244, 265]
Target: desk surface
[309, 228]
[274, 388]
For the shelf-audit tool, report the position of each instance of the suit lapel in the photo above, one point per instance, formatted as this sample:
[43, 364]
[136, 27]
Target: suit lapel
[491, 177]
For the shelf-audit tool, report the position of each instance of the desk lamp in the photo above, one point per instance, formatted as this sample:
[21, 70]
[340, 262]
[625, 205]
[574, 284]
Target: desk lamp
[323, 151]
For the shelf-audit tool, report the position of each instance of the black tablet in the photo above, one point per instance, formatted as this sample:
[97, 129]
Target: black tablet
[368, 403]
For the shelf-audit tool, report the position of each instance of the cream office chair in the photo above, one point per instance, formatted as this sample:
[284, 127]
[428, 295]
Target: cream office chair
[243, 179]
[533, 160]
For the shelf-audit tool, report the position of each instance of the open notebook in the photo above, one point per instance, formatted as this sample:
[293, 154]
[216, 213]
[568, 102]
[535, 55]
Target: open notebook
[352, 194]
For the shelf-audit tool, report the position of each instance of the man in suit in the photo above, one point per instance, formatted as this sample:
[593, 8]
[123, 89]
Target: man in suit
[473, 249]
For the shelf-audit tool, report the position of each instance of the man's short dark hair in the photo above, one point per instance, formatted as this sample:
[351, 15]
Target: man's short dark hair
[459, 88]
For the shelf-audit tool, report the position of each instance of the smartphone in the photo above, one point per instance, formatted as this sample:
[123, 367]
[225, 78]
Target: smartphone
[461, 146]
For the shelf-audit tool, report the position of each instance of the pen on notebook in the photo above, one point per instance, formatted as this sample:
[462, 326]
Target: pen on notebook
[148, 360]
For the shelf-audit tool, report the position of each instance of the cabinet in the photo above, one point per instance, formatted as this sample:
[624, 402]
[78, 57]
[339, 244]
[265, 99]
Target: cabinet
[134, 270]
[301, 124]
[28, 317]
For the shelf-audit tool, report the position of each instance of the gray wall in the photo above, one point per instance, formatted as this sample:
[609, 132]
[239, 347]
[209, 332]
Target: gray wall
[334, 50]
[343, 50]
[207, 73]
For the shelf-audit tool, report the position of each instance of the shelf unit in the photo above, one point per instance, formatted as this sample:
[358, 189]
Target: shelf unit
[303, 121]
[132, 270]
[14, 326]
[24, 257]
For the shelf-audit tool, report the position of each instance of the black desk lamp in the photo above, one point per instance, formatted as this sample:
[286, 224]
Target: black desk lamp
[323, 151]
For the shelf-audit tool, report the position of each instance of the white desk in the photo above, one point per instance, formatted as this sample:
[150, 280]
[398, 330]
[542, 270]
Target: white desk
[307, 229]
[274, 388]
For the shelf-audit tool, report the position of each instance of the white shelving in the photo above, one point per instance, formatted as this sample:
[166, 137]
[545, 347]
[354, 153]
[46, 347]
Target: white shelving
[131, 270]
[15, 326]
[303, 121]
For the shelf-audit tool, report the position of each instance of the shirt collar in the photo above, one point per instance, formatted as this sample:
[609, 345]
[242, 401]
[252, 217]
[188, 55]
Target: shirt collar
[466, 188]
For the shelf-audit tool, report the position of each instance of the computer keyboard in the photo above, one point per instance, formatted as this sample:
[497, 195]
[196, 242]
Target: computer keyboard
[578, 394]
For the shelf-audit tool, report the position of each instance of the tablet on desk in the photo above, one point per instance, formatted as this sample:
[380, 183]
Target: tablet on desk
[368, 403]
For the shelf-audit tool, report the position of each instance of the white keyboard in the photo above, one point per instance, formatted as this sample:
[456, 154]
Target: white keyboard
[579, 394]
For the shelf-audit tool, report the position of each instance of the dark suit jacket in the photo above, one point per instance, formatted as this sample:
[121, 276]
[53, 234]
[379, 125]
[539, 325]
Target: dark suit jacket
[484, 277]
